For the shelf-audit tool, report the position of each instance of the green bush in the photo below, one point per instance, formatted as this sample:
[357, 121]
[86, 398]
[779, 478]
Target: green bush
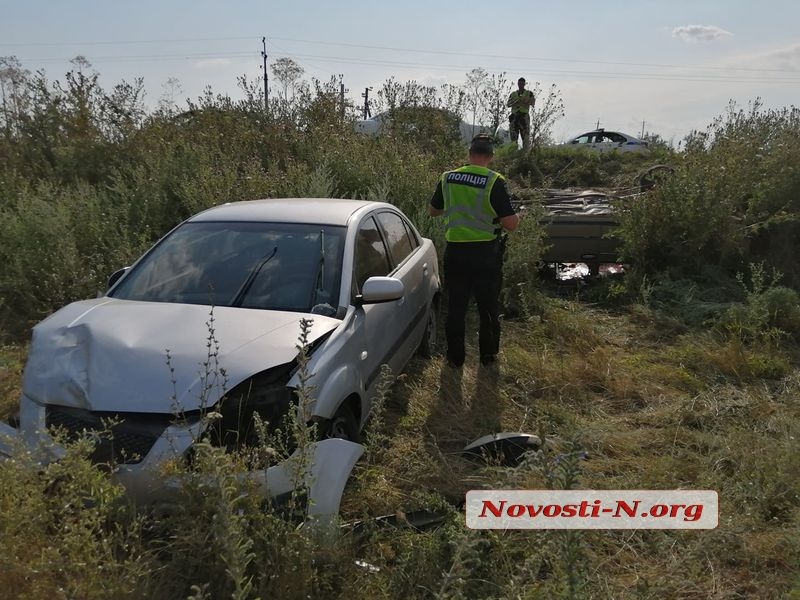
[732, 201]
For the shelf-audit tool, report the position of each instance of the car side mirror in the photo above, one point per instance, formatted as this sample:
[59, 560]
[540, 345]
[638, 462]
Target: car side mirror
[380, 289]
[115, 277]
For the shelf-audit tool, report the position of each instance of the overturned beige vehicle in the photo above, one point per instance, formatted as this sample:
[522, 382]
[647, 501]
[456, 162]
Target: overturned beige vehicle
[209, 321]
[577, 224]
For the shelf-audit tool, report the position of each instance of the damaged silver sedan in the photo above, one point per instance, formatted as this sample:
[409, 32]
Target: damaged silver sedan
[209, 321]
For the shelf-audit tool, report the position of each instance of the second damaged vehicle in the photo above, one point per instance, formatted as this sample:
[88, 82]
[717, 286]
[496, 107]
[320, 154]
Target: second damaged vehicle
[208, 321]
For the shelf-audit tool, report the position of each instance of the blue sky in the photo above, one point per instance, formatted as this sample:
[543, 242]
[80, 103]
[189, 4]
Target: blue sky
[673, 64]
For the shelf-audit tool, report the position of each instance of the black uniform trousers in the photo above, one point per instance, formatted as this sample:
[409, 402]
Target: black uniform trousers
[472, 268]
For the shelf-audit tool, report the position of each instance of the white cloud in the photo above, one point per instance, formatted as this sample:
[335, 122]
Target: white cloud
[700, 33]
[211, 63]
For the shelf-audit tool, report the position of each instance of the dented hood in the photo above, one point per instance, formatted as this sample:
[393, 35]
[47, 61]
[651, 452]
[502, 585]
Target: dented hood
[111, 355]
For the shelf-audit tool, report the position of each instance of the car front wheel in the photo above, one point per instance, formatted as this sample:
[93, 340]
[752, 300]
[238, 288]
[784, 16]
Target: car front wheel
[343, 425]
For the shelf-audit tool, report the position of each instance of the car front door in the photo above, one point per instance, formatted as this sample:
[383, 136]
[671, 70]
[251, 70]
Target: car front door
[375, 325]
[408, 266]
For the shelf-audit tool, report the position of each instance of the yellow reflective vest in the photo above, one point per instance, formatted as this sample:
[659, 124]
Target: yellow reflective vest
[468, 212]
[521, 108]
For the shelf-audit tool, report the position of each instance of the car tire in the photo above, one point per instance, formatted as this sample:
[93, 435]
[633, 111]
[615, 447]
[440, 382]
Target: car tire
[428, 347]
[343, 425]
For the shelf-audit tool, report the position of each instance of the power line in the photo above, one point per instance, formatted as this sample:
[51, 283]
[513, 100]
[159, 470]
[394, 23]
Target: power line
[124, 42]
[400, 49]
[450, 68]
[594, 74]
[687, 77]
[305, 63]
[147, 57]
[530, 58]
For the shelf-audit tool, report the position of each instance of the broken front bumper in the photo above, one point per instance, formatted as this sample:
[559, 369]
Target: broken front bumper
[322, 468]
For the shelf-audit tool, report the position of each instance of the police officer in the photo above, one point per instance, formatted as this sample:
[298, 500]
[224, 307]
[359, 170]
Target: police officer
[476, 206]
[520, 101]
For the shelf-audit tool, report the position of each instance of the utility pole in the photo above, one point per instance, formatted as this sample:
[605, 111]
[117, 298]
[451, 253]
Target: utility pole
[266, 76]
[365, 95]
[341, 95]
[6, 122]
[642, 136]
[598, 124]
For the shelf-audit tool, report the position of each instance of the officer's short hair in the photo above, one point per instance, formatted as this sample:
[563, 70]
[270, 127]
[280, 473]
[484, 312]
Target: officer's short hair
[482, 144]
[521, 80]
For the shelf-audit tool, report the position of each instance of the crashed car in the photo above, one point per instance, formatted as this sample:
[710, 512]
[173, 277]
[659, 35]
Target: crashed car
[577, 226]
[210, 320]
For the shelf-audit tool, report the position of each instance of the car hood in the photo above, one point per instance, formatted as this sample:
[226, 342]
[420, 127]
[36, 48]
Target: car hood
[151, 357]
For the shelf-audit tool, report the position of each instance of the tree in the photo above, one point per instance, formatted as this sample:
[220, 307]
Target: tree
[288, 73]
[496, 95]
[83, 95]
[452, 99]
[475, 87]
[548, 109]
[394, 95]
[13, 79]
[123, 109]
[170, 90]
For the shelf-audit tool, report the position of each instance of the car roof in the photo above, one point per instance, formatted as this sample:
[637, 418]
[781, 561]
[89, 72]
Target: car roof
[316, 211]
[604, 131]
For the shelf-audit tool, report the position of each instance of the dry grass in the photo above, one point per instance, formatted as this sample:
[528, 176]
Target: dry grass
[654, 407]
[11, 363]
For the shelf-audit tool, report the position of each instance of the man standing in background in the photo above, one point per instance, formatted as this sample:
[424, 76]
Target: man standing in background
[520, 101]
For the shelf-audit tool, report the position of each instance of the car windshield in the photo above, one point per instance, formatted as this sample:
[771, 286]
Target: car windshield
[274, 266]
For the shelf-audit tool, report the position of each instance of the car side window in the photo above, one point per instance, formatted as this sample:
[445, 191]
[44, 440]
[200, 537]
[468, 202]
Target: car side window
[372, 260]
[616, 138]
[411, 234]
[397, 238]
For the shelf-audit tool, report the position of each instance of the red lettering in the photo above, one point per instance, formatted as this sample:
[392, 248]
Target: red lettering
[495, 510]
[516, 510]
[569, 510]
[533, 510]
[552, 510]
[659, 510]
[693, 512]
[624, 507]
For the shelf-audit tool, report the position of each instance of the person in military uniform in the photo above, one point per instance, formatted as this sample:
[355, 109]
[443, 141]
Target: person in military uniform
[519, 121]
[476, 206]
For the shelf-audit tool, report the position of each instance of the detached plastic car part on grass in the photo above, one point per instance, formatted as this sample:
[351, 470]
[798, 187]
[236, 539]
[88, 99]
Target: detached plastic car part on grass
[209, 320]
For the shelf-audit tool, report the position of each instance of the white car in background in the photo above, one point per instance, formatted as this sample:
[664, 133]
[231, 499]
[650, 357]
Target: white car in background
[601, 140]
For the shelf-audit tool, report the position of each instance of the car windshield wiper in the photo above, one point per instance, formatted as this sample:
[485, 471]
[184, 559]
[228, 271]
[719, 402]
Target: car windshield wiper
[248, 283]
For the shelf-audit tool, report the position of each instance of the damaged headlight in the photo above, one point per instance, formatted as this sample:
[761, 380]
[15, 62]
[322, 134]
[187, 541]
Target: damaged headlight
[264, 397]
